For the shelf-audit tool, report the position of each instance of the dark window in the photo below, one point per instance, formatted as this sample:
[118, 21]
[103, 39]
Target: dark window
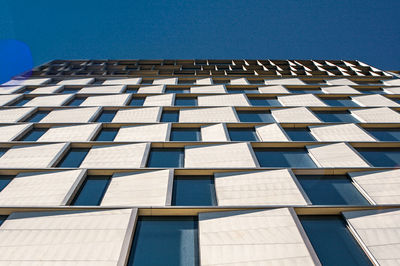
[381, 157]
[73, 158]
[2, 219]
[242, 91]
[339, 116]
[264, 102]
[339, 102]
[170, 116]
[2, 151]
[106, 116]
[34, 134]
[299, 134]
[332, 241]
[131, 90]
[385, 134]
[92, 191]
[107, 134]
[165, 158]
[37, 116]
[5, 180]
[69, 90]
[186, 101]
[21, 102]
[249, 116]
[289, 157]
[304, 91]
[27, 90]
[76, 101]
[194, 191]
[242, 134]
[375, 91]
[172, 240]
[185, 134]
[136, 101]
[177, 90]
[331, 190]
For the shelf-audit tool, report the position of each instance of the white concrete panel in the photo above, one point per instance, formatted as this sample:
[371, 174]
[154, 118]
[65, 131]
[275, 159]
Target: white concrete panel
[13, 115]
[300, 100]
[156, 132]
[71, 115]
[7, 98]
[335, 155]
[103, 89]
[266, 237]
[284, 81]
[382, 187]
[239, 81]
[64, 237]
[234, 155]
[122, 81]
[345, 89]
[271, 132]
[25, 82]
[273, 89]
[152, 89]
[208, 115]
[276, 187]
[8, 133]
[47, 89]
[52, 100]
[223, 100]
[10, 89]
[39, 188]
[216, 132]
[392, 90]
[166, 81]
[376, 115]
[32, 156]
[107, 100]
[76, 81]
[379, 233]
[70, 133]
[341, 81]
[208, 89]
[116, 156]
[341, 132]
[138, 115]
[138, 189]
[294, 115]
[374, 100]
[204, 81]
[160, 100]
[392, 82]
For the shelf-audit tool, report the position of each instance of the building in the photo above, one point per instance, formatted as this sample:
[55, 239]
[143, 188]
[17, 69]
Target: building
[200, 162]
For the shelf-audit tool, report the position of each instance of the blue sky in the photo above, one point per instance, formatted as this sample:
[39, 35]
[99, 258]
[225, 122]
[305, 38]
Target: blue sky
[365, 30]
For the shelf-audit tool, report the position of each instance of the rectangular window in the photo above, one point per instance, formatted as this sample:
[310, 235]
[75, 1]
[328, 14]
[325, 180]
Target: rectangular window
[131, 90]
[76, 101]
[242, 91]
[385, 134]
[331, 190]
[137, 101]
[2, 219]
[69, 90]
[332, 241]
[2, 151]
[260, 116]
[107, 134]
[37, 116]
[193, 191]
[264, 102]
[106, 116]
[34, 134]
[242, 134]
[338, 116]
[170, 116]
[381, 157]
[21, 102]
[160, 157]
[289, 157]
[5, 180]
[339, 102]
[374, 91]
[299, 134]
[92, 191]
[27, 90]
[185, 134]
[176, 90]
[185, 101]
[171, 240]
[73, 158]
[305, 90]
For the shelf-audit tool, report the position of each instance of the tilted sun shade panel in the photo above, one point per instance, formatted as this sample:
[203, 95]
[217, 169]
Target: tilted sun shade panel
[300, 100]
[341, 132]
[103, 89]
[13, 115]
[208, 89]
[70, 133]
[138, 115]
[122, 81]
[294, 115]
[271, 132]
[156, 132]
[208, 115]
[223, 100]
[376, 115]
[107, 100]
[374, 100]
[8, 133]
[71, 115]
[217, 132]
[25, 82]
[52, 100]
[77, 81]
[160, 100]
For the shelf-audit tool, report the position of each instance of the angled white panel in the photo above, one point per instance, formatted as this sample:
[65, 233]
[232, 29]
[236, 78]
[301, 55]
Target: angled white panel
[122, 81]
[8, 133]
[32, 156]
[10, 89]
[64, 237]
[216, 132]
[166, 81]
[374, 100]
[266, 237]
[71, 115]
[335, 155]
[378, 231]
[392, 82]
[7, 98]
[160, 100]
[107, 100]
[138, 115]
[239, 81]
[76, 81]
[25, 82]
[276, 187]
[345, 89]
[39, 188]
[47, 89]
[208, 89]
[234, 155]
[204, 81]
[341, 81]
[392, 90]
[294, 115]
[70, 133]
[341, 132]
[223, 100]
[284, 81]
[156, 132]
[376, 115]
[138, 189]
[103, 89]
[116, 156]
[273, 89]
[52, 100]
[300, 100]
[271, 132]
[13, 115]
[208, 115]
[382, 187]
[152, 89]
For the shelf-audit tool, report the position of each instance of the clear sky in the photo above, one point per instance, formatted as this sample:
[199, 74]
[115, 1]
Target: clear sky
[109, 29]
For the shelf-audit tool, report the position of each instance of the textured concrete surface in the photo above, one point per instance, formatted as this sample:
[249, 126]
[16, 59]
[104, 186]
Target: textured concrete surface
[284, 81]
[76, 81]
[152, 89]
[52, 100]
[8, 133]
[138, 115]
[70, 133]
[103, 89]
[208, 89]
[273, 89]
[294, 115]
[160, 100]
[107, 100]
[341, 132]
[208, 115]
[374, 100]
[223, 100]
[122, 81]
[13, 115]
[71, 115]
[376, 115]
[156, 132]
[216, 132]
[300, 100]
[271, 132]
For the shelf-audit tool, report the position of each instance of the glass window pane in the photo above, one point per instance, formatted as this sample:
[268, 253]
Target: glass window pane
[185, 134]
[242, 91]
[305, 91]
[177, 90]
[332, 241]
[34, 134]
[385, 134]
[194, 191]
[185, 101]
[290, 157]
[73, 158]
[106, 116]
[131, 90]
[331, 190]
[5, 180]
[161, 240]
[136, 102]
[299, 134]
[27, 90]
[170, 116]
[336, 117]
[92, 191]
[36, 117]
[69, 90]
[2, 151]
[107, 134]
[242, 134]
[76, 101]
[2, 219]
[382, 157]
[376, 91]
[165, 158]
[21, 102]
[248, 116]
[339, 102]
[264, 102]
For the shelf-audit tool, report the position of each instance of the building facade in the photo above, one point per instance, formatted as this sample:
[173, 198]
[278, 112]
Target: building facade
[200, 162]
